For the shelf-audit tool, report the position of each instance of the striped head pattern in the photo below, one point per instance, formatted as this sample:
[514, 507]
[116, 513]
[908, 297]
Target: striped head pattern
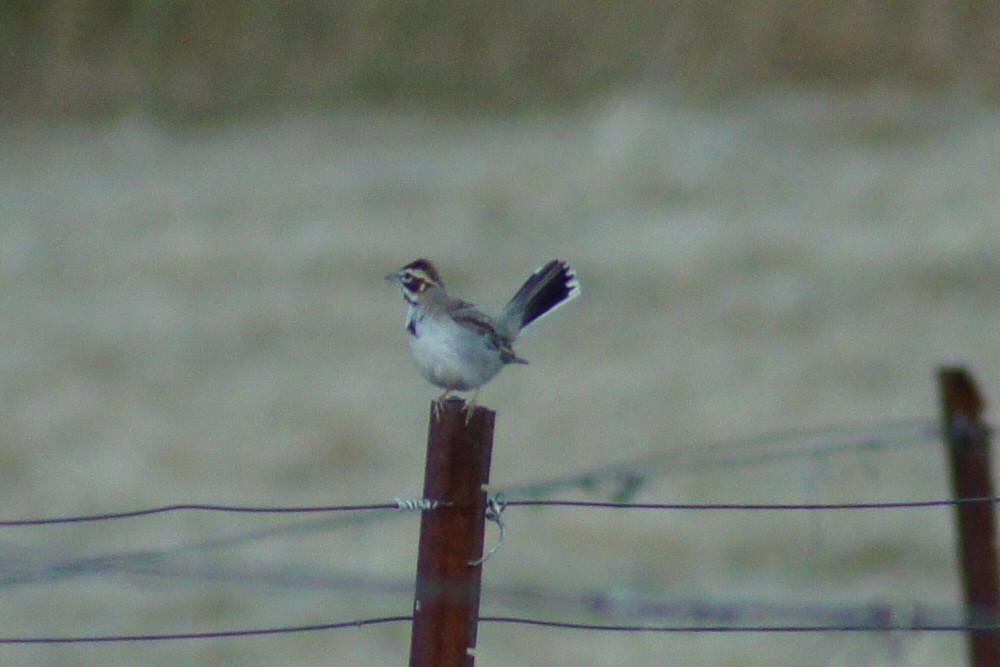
[416, 278]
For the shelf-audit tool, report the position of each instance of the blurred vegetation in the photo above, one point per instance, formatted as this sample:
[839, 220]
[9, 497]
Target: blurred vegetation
[182, 60]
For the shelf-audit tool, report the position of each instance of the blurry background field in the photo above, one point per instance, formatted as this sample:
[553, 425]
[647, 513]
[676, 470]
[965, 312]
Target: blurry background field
[783, 216]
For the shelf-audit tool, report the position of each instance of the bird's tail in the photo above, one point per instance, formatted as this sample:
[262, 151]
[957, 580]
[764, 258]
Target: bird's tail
[548, 288]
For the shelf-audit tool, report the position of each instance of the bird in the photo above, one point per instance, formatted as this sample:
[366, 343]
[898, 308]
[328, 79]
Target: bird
[456, 346]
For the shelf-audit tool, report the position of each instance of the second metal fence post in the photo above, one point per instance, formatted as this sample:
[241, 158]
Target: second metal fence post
[968, 443]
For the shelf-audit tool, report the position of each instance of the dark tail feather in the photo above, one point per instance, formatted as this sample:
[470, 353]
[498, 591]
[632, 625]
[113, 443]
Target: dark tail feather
[548, 288]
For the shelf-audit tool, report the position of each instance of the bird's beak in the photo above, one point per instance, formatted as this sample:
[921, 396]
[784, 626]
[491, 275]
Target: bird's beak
[393, 277]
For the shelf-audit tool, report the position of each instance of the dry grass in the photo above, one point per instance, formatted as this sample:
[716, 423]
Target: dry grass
[183, 61]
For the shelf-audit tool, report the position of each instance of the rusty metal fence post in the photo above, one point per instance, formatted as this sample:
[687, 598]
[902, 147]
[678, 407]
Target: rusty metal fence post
[446, 602]
[967, 438]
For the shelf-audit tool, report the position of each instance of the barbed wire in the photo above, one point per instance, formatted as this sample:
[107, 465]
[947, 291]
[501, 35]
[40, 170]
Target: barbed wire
[624, 480]
[40, 570]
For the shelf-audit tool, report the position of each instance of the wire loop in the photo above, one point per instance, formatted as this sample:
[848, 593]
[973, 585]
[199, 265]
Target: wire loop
[495, 505]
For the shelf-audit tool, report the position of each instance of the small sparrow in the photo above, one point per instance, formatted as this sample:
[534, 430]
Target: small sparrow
[458, 347]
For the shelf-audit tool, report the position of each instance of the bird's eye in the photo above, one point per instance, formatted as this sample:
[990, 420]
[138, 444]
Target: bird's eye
[412, 282]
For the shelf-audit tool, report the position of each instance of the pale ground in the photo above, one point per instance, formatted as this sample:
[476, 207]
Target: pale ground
[201, 317]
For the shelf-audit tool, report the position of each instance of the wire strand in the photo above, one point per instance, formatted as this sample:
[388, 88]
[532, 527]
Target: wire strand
[720, 629]
[222, 634]
[429, 505]
[197, 507]
[919, 627]
[595, 504]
